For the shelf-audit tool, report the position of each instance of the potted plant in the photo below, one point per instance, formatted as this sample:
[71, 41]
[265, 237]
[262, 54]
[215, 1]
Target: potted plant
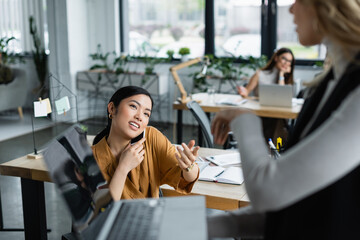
[170, 54]
[101, 60]
[13, 84]
[184, 52]
[226, 70]
[120, 64]
[6, 58]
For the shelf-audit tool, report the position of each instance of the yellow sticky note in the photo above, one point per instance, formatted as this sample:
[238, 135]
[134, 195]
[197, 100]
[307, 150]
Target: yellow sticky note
[48, 105]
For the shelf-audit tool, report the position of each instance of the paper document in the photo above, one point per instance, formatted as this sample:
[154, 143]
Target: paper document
[297, 101]
[231, 101]
[42, 108]
[232, 175]
[225, 159]
[202, 165]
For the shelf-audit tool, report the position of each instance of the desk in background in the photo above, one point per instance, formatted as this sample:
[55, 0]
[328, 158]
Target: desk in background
[33, 174]
[251, 104]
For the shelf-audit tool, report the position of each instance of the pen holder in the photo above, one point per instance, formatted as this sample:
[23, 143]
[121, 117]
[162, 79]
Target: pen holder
[281, 149]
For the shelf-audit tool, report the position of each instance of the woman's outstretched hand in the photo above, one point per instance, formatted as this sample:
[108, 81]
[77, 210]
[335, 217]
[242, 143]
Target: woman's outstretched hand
[186, 157]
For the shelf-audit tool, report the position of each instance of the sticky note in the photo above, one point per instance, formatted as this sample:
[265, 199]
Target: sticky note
[48, 105]
[40, 109]
[62, 105]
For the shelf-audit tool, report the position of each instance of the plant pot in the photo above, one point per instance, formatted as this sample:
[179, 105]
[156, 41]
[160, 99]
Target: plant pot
[185, 58]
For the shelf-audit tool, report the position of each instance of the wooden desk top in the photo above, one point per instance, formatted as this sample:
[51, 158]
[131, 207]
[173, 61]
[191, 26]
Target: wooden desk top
[251, 104]
[218, 195]
[34, 169]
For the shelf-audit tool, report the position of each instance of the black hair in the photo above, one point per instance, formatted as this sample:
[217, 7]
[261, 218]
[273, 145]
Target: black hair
[289, 77]
[116, 98]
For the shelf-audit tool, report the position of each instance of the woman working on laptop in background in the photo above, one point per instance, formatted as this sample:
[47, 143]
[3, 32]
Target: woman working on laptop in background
[313, 190]
[278, 70]
[138, 170]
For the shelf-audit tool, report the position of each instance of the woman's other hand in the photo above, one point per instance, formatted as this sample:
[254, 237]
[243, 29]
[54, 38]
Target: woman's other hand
[282, 73]
[132, 155]
[130, 158]
[220, 125]
[186, 157]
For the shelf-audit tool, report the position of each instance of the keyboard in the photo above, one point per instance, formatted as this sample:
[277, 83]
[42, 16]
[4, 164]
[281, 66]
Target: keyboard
[137, 221]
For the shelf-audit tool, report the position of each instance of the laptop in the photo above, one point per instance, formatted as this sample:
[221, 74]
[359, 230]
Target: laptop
[74, 170]
[275, 95]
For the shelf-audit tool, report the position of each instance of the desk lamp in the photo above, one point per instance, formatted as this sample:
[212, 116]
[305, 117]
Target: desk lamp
[184, 98]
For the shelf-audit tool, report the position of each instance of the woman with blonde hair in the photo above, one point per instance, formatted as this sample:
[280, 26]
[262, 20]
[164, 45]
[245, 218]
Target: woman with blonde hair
[313, 190]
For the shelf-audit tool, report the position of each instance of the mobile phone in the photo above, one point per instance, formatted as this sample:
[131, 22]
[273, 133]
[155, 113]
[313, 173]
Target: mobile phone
[134, 140]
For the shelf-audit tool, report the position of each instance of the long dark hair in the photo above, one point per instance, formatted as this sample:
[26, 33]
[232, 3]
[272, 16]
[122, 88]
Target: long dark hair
[289, 77]
[116, 98]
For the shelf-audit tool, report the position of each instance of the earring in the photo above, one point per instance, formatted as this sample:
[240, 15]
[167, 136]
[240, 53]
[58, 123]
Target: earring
[110, 116]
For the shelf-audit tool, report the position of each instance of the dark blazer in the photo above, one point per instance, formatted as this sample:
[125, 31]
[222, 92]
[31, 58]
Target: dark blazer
[333, 212]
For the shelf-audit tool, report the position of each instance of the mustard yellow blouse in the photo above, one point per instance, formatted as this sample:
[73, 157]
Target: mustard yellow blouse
[158, 167]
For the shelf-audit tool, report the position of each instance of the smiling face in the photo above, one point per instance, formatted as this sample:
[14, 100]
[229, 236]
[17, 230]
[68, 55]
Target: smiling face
[131, 116]
[307, 23]
[283, 62]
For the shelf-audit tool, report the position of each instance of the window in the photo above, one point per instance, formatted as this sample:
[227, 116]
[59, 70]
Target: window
[14, 22]
[161, 25]
[10, 22]
[287, 37]
[225, 28]
[238, 28]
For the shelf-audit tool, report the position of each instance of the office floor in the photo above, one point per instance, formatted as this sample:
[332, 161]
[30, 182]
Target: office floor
[58, 219]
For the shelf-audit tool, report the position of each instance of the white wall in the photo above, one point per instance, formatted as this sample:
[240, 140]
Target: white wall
[78, 36]
[78, 41]
[306, 73]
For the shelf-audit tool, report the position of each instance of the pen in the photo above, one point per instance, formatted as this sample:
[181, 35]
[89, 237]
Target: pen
[211, 160]
[220, 173]
[273, 149]
[243, 101]
[271, 144]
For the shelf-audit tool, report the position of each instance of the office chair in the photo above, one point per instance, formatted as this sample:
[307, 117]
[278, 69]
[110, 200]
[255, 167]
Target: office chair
[203, 121]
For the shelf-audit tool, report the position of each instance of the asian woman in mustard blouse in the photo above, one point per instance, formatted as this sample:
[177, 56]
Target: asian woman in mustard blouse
[138, 170]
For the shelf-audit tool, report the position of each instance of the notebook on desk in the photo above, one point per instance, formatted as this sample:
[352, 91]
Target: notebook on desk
[275, 95]
[73, 169]
[231, 175]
